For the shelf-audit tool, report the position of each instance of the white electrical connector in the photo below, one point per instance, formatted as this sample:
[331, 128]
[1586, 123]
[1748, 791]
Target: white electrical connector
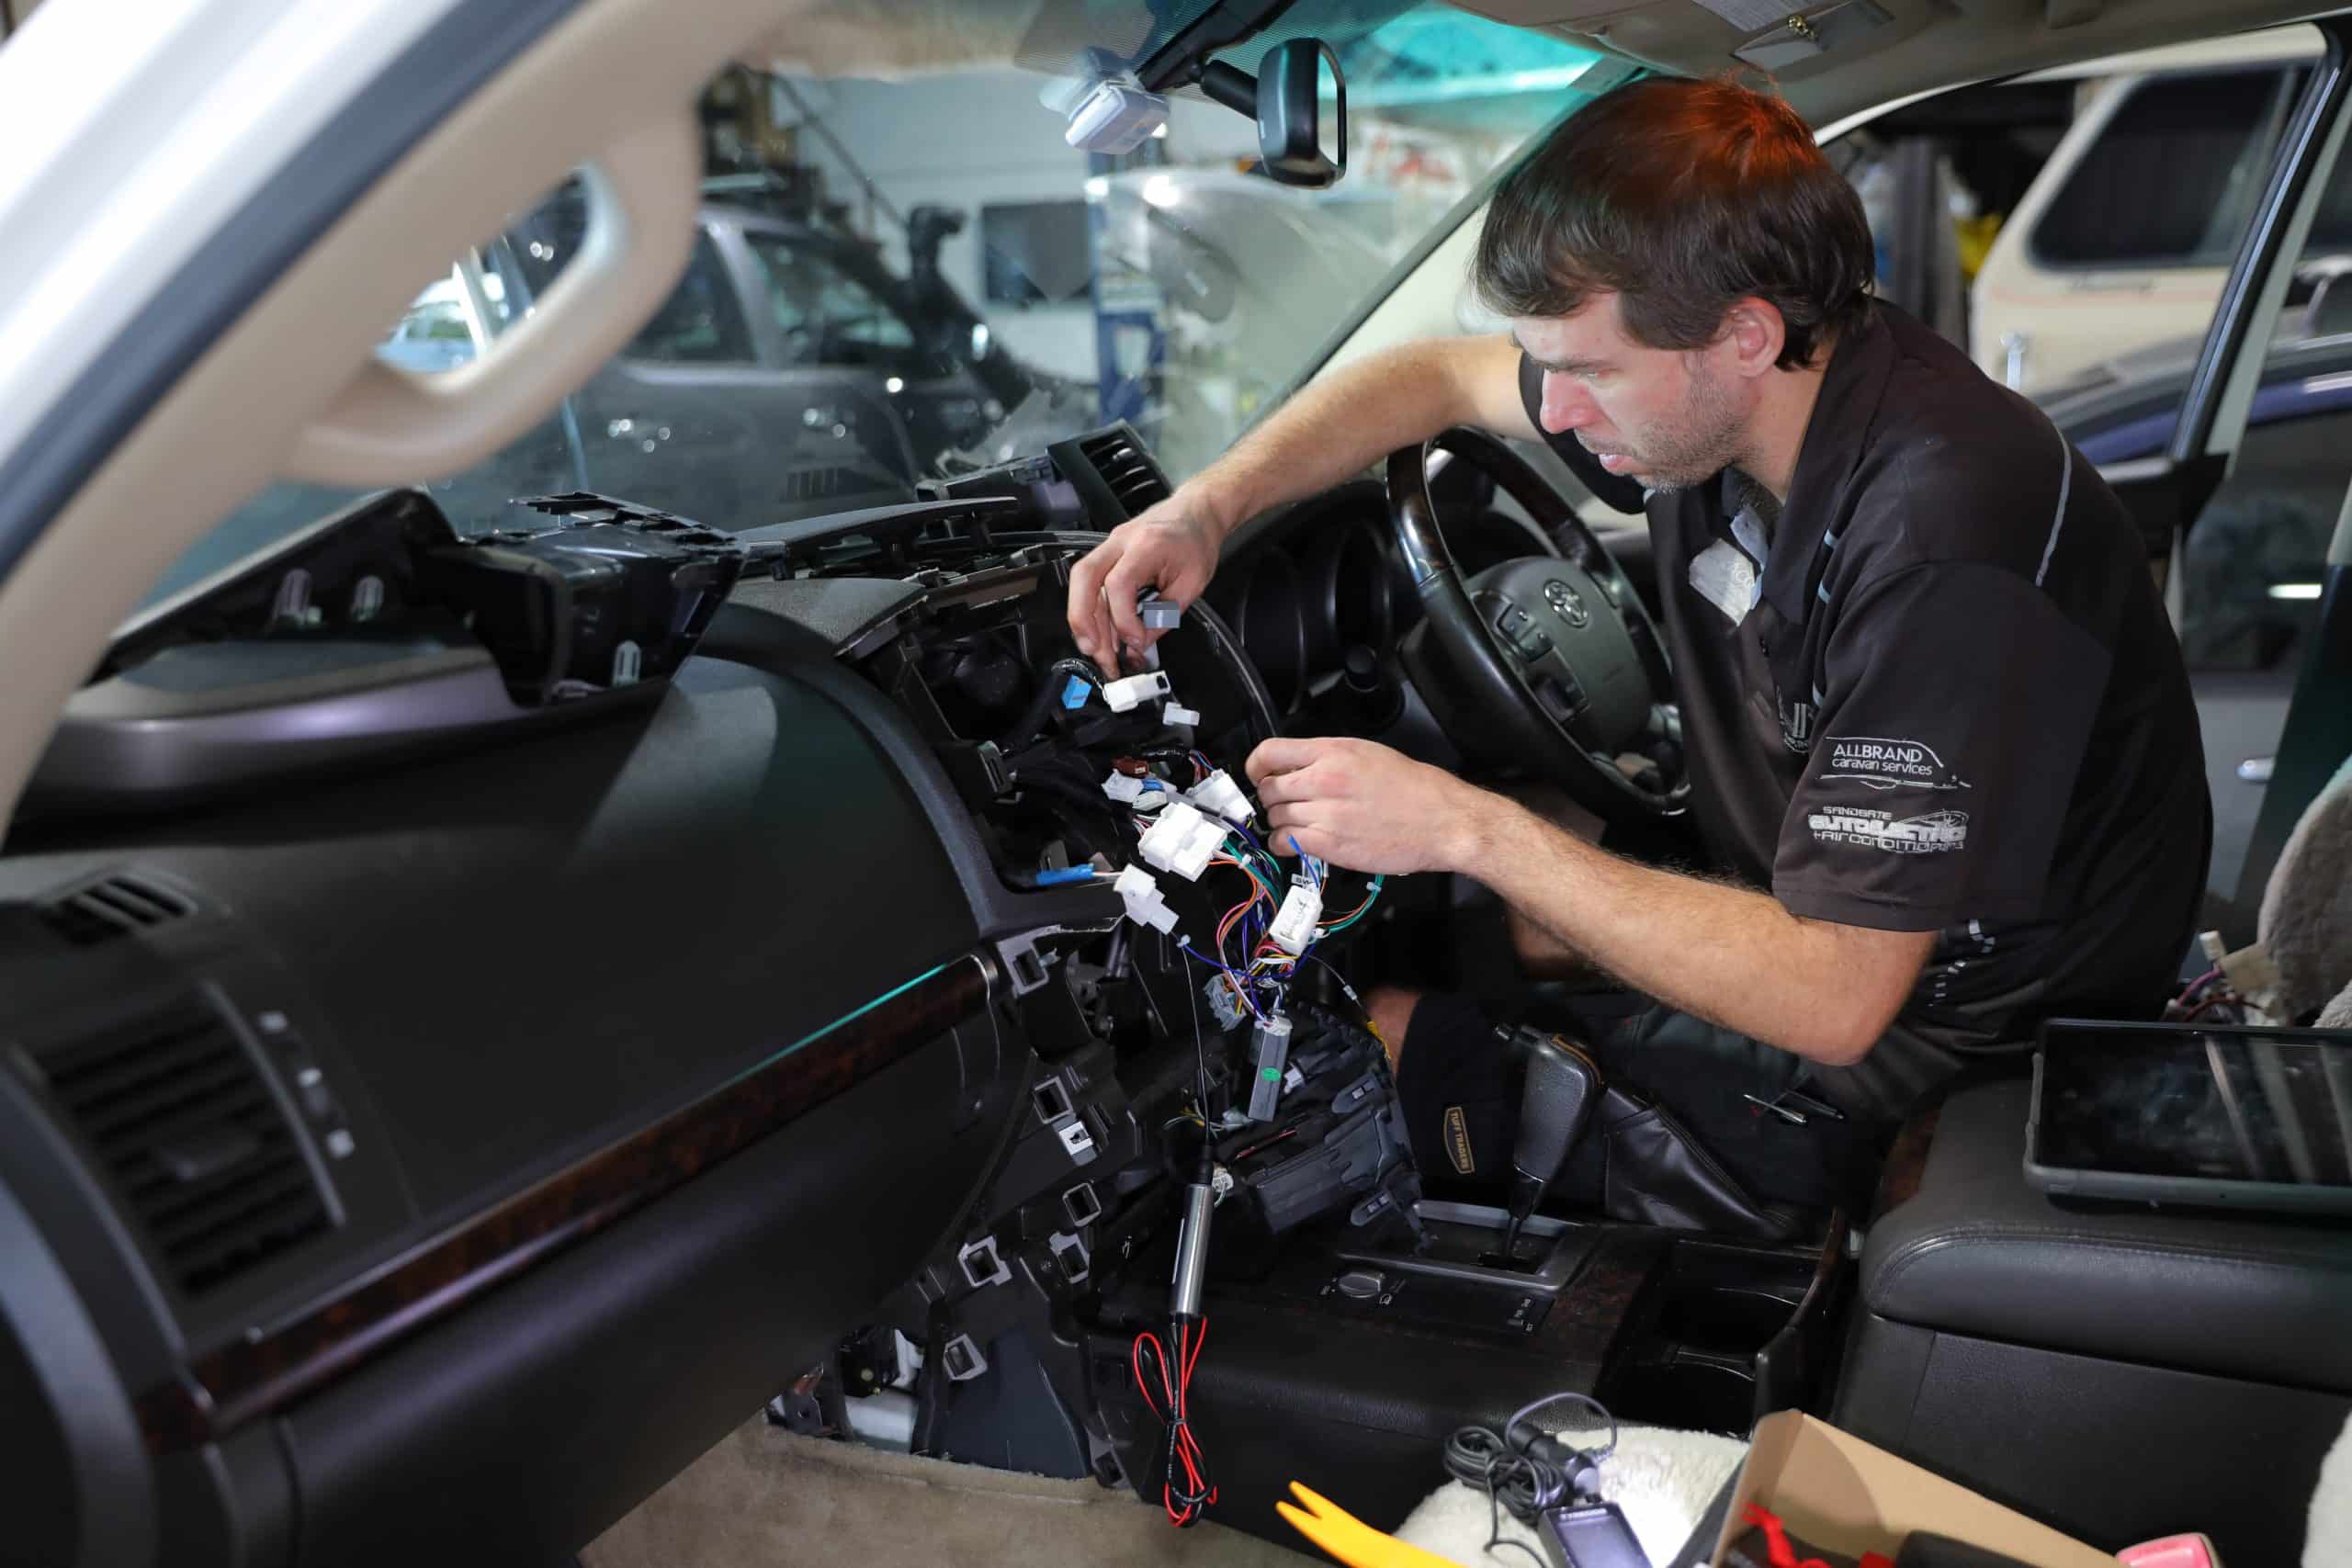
[1141, 794]
[1141, 894]
[1181, 841]
[1174, 712]
[1294, 925]
[1219, 797]
[1134, 691]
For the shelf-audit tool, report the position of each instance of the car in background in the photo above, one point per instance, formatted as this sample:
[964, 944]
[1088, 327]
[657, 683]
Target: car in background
[2126, 235]
[789, 373]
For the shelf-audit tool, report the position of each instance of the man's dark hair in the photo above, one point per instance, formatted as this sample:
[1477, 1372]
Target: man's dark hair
[1680, 198]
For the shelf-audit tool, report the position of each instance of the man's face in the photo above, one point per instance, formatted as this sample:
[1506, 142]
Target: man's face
[1664, 416]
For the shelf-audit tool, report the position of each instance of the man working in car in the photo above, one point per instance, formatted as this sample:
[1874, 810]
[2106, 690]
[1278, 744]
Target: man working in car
[1865, 550]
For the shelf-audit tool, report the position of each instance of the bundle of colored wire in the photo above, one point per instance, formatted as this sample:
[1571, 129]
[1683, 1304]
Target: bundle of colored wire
[1185, 1501]
[2208, 992]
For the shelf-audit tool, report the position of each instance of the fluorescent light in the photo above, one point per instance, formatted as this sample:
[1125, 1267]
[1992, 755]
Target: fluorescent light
[1097, 188]
[894, 385]
[1161, 190]
[1159, 131]
[2294, 591]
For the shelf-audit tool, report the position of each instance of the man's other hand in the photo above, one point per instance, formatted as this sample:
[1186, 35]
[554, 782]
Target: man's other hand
[1172, 547]
[1365, 807]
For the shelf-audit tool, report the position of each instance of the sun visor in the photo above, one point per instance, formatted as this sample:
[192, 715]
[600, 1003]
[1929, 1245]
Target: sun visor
[906, 37]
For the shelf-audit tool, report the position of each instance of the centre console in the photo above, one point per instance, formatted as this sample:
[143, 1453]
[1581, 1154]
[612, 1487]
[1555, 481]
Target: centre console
[2098, 1366]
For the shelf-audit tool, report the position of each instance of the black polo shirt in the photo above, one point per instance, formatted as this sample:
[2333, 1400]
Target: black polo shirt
[1940, 692]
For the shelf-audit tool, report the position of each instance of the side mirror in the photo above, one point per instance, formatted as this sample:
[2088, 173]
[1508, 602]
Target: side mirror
[1299, 145]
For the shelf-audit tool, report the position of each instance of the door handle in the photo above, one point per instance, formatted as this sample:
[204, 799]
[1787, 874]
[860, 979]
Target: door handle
[2256, 769]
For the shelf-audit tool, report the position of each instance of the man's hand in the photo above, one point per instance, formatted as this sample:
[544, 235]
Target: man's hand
[1367, 808]
[1172, 547]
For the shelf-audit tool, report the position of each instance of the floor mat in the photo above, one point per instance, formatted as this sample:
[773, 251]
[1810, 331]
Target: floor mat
[766, 1497]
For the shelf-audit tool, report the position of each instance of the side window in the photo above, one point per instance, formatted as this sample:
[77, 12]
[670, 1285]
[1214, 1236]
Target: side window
[826, 317]
[2255, 558]
[439, 329]
[700, 323]
[2169, 180]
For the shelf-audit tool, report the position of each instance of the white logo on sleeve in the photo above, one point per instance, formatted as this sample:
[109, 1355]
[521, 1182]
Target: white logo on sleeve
[1882, 764]
[1935, 832]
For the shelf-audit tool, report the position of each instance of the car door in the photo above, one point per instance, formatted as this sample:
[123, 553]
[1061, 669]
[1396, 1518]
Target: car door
[2178, 491]
[843, 337]
[695, 415]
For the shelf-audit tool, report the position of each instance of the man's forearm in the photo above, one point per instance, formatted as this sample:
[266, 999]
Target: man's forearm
[1334, 429]
[1725, 953]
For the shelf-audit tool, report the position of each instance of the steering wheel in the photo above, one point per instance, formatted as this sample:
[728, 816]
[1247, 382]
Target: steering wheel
[1549, 662]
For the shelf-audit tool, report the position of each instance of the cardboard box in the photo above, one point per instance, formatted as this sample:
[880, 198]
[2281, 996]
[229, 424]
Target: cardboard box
[1837, 1492]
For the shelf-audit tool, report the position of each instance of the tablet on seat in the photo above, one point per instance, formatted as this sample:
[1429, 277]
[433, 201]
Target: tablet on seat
[2231, 1117]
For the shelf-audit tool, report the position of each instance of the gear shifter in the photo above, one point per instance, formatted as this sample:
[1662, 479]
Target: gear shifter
[1558, 1101]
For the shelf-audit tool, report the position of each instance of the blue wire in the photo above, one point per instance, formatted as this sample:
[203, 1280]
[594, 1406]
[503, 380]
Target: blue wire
[1239, 988]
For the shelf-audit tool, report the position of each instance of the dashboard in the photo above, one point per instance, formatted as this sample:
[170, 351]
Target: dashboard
[485, 1012]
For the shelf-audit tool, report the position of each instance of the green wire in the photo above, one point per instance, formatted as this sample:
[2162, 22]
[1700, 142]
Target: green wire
[1371, 899]
[1244, 853]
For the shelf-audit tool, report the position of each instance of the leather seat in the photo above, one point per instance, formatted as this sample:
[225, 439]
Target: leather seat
[1978, 1251]
[2119, 1373]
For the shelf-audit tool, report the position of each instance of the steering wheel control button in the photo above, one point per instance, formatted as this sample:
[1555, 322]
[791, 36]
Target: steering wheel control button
[1531, 644]
[1567, 603]
[1362, 1285]
[1563, 700]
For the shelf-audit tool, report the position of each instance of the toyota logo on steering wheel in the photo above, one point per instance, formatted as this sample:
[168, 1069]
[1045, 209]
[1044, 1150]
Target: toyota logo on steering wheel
[1566, 601]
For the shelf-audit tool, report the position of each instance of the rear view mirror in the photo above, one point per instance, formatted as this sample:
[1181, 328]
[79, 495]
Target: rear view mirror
[1299, 145]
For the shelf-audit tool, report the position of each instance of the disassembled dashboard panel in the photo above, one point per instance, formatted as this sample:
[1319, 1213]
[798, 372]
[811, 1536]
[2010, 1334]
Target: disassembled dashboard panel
[381, 630]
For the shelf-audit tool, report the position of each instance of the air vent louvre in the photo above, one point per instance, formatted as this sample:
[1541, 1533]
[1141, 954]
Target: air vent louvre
[1126, 468]
[199, 1150]
[114, 907]
[818, 484]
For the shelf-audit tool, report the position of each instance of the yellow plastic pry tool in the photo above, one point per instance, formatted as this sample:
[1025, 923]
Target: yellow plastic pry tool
[1349, 1538]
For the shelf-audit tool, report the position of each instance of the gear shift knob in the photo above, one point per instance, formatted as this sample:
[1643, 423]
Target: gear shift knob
[1554, 1109]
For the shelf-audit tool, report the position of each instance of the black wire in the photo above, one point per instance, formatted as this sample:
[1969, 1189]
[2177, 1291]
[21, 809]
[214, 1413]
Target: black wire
[1476, 1456]
[1585, 1399]
[1177, 1420]
[1200, 1051]
[1513, 1477]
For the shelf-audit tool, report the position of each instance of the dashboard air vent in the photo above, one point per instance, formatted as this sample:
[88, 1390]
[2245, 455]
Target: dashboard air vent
[821, 484]
[197, 1149]
[117, 906]
[1125, 468]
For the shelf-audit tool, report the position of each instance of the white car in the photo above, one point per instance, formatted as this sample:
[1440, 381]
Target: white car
[2125, 237]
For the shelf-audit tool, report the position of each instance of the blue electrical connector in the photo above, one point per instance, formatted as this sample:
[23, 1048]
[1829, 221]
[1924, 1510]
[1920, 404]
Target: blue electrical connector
[1056, 876]
[1074, 694]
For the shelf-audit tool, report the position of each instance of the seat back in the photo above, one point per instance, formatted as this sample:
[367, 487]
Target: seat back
[2306, 921]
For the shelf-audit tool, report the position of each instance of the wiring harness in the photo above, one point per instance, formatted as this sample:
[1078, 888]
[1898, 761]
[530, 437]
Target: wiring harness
[1258, 968]
[1185, 1488]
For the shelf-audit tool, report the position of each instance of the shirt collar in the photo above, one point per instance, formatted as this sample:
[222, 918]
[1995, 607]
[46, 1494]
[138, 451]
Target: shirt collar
[1835, 438]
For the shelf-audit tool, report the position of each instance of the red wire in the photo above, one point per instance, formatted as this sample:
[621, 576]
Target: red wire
[1176, 1381]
